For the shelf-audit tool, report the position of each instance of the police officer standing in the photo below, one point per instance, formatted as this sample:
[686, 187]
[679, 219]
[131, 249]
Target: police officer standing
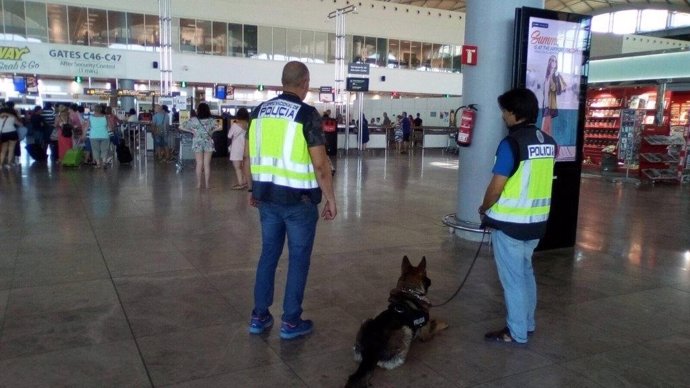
[516, 206]
[290, 173]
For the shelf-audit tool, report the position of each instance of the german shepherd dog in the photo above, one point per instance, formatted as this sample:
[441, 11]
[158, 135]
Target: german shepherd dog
[386, 339]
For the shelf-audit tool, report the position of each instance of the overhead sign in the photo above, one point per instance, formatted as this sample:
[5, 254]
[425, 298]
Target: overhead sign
[98, 92]
[135, 93]
[358, 68]
[326, 89]
[357, 84]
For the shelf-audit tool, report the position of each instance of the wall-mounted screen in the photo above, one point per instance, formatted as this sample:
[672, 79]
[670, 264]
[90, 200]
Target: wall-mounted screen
[552, 51]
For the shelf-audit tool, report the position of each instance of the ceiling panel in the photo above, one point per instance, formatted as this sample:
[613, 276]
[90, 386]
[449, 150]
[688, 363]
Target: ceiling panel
[576, 6]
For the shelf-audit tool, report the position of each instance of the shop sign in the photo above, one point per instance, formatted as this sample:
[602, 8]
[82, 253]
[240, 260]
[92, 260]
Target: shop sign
[135, 93]
[98, 92]
[62, 60]
[469, 55]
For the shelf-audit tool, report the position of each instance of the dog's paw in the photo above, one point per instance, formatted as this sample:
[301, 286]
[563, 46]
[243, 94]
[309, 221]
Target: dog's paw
[440, 325]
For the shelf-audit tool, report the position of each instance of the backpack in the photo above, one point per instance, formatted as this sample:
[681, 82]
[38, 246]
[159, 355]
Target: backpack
[67, 130]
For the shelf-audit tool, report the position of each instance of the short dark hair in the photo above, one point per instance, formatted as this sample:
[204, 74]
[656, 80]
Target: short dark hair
[242, 114]
[522, 103]
[203, 111]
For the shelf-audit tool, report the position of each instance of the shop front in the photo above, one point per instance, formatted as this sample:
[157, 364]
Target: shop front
[637, 121]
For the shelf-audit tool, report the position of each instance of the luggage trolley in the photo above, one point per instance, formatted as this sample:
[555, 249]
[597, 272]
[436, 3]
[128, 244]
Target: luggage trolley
[185, 152]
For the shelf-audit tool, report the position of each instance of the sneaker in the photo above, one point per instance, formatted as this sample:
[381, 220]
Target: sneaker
[290, 331]
[258, 324]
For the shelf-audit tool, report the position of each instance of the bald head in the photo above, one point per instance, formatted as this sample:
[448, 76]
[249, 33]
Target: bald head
[294, 73]
[295, 78]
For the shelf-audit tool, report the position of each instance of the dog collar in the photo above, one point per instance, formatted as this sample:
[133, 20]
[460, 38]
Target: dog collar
[412, 293]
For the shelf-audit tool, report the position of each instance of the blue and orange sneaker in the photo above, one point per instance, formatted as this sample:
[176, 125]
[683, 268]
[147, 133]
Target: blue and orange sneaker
[259, 324]
[291, 331]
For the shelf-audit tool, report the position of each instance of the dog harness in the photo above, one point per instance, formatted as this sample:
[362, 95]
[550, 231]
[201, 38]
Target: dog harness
[411, 314]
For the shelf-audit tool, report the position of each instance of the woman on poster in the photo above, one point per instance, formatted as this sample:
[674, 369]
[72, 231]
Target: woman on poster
[554, 85]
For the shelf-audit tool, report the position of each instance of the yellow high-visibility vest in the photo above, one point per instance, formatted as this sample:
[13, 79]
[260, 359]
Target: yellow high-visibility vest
[278, 151]
[526, 197]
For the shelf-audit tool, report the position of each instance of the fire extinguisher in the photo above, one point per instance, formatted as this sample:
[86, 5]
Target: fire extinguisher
[466, 126]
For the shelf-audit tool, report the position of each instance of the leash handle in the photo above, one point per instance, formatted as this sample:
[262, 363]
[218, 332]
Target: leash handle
[467, 275]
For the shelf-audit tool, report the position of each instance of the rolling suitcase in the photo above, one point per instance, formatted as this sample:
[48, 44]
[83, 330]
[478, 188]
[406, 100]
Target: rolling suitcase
[37, 152]
[124, 155]
[73, 157]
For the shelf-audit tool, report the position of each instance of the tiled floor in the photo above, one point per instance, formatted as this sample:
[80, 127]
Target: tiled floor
[131, 277]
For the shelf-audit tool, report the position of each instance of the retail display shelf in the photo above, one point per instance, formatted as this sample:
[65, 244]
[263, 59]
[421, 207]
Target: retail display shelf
[663, 140]
[660, 174]
[659, 158]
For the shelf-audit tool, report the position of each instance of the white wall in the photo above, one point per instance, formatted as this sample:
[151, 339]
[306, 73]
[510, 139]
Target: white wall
[604, 45]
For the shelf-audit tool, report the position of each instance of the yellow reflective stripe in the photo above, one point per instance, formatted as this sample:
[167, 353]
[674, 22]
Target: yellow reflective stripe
[284, 178]
[525, 203]
[283, 164]
[519, 219]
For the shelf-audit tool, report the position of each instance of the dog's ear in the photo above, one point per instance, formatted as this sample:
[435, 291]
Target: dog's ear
[422, 264]
[406, 264]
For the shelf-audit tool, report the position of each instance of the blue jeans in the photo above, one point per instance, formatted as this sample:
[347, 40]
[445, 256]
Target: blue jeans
[514, 265]
[298, 224]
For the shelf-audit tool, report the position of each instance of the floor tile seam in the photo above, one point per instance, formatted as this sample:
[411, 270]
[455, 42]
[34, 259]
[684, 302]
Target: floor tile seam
[66, 348]
[363, 250]
[9, 292]
[579, 374]
[209, 283]
[119, 298]
[439, 372]
[60, 283]
[235, 371]
[313, 355]
[153, 273]
[609, 349]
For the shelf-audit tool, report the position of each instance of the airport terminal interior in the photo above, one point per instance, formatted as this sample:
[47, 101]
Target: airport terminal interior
[132, 277]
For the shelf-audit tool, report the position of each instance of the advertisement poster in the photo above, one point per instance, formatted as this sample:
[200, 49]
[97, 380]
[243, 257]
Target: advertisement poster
[554, 68]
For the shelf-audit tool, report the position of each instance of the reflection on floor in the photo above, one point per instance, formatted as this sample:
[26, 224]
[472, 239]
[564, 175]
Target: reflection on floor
[131, 277]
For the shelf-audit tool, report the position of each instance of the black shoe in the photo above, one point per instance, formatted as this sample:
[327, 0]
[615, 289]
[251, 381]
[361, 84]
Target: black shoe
[502, 336]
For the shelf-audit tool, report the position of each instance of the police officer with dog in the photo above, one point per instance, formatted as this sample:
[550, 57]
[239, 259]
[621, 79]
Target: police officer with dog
[290, 174]
[516, 207]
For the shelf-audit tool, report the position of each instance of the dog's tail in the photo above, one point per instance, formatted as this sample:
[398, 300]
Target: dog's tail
[371, 346]
[360, 379]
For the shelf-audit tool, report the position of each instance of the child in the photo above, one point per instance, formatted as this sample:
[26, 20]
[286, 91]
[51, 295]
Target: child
[398, 134]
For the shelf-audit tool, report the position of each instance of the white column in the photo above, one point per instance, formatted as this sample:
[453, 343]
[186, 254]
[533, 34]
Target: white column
[489, 26]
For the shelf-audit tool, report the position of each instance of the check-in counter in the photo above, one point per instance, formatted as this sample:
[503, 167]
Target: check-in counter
[437, 137]
[377, 137]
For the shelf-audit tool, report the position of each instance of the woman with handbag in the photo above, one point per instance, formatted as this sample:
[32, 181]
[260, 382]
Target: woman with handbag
[202, 127]
[554, 85]
[99, 136]
[237, 136]
[8, 137]
[64, 127]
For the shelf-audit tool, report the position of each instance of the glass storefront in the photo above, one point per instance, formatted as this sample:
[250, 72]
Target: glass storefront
[56, 23]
